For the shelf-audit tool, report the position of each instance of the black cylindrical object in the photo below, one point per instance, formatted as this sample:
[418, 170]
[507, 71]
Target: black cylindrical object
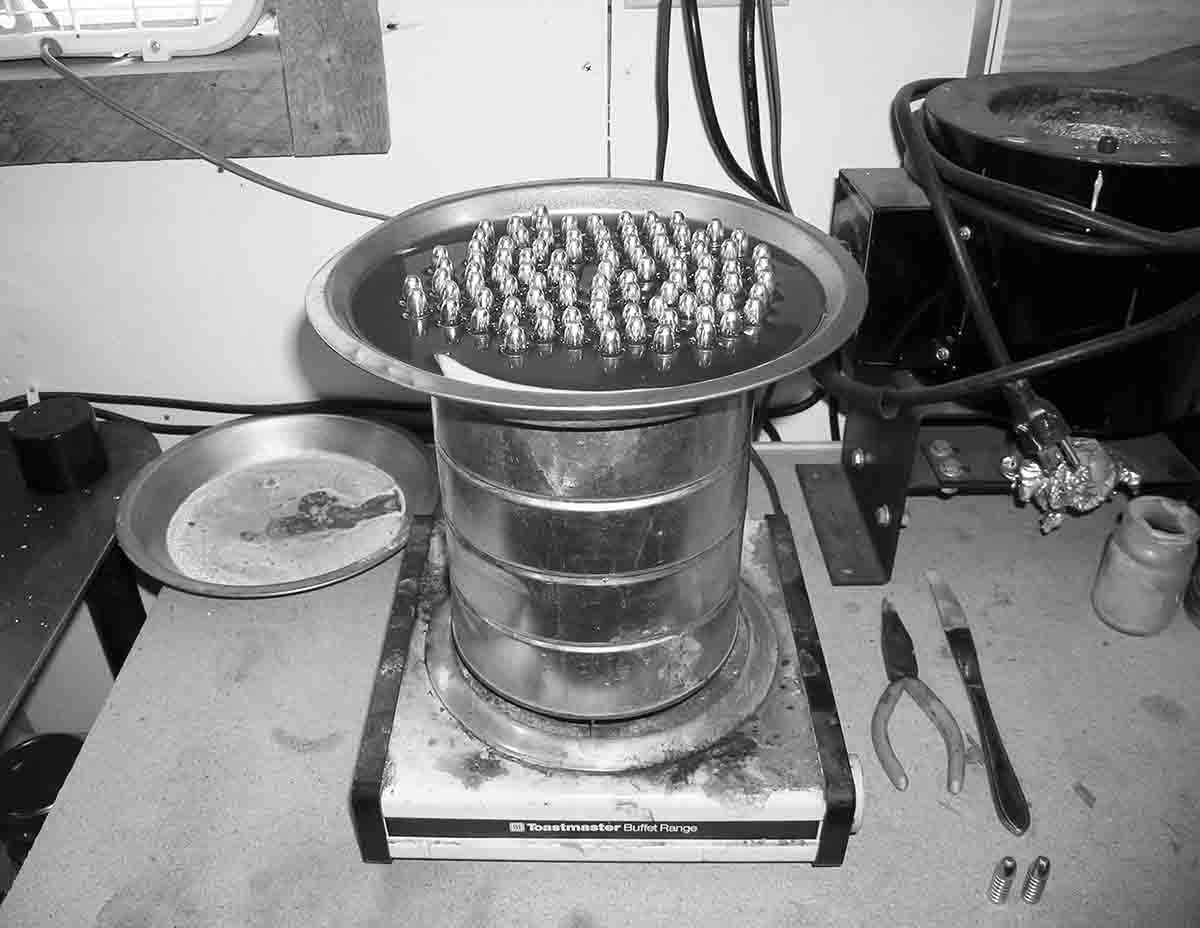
[1125, 148]
[58, 445]
[31, 775]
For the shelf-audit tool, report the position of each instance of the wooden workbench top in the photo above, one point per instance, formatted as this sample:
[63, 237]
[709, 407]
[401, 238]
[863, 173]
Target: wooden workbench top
[213, 788]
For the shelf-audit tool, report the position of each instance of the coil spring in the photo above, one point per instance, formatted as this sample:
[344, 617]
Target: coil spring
[1035, 880]
[1002, 881]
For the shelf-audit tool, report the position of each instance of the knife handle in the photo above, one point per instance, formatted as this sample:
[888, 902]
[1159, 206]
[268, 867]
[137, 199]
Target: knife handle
[1011, 805]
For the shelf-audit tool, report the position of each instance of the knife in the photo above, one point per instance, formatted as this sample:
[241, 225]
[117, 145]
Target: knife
[1010, 802]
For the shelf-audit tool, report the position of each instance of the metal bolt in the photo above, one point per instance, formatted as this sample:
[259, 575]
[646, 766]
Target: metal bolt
[858, 458]
[951, 468]
[1106, 144]
[883, 516]
[965, 233]
[635, 328]
[480, 321]
[1035, 880]
[706, 333]
[664, 340]
[940, 448]
[942, 354]
[509, 317]
[543, 330]
[573, 335]
[1002, 880]
[515, 340]
[451, 311]
[729, 325]
[416, 303]
[610, 343]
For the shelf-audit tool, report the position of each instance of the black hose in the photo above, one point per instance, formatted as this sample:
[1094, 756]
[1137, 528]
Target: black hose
[159, 428]
[766, 21]
[912, 134]
[1091, 226]
[413, 416]
[768, 482]
[792, 409]
[708, 113]
[242, 409]
[1079, 231]
[50, 49]
[887, 401]
[1046, 236]
[662, 57]
[749, 68]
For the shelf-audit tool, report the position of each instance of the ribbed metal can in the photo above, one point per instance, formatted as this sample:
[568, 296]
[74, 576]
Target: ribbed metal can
[594, 566]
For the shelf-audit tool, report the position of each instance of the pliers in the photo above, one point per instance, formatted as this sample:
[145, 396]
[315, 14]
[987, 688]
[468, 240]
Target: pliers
[900, 664]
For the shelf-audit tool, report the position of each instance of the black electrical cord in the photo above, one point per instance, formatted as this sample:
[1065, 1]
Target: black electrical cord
[768, 482]
[708, 113]
[416, 417]
[1046, 236]
[766, 20]
[886, 401]
[662, 58]
[50, 49]
[749, 67]
[792, 409]
[159, 428]
[1090, 226]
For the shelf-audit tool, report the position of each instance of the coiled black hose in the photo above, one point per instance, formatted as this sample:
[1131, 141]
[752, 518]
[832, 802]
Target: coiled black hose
[708, 112]
[662, 57]
[749, 68]
[887, 401]
[1077, 230]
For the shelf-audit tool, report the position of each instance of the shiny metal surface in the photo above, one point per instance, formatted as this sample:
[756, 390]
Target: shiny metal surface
[161, 487]
[594, 569]
[834, 296]
[595, 610]
[732, 695]
[587, 681]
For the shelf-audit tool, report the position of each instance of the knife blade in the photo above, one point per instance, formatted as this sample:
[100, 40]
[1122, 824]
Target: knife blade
[899, 657]
[1007, 796]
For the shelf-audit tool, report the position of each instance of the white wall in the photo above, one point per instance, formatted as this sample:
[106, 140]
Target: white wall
[169, 278]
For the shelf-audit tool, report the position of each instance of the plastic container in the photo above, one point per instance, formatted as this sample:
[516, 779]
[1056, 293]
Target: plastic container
[1146, 565]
